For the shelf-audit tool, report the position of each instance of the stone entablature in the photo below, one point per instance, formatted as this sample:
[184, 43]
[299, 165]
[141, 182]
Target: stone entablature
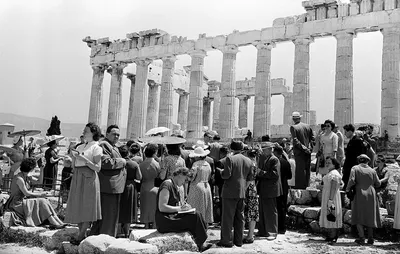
[155, 44]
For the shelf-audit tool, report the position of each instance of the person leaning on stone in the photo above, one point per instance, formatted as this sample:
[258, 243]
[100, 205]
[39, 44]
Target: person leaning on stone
[112, 177]
[269, 189]
[303, 137]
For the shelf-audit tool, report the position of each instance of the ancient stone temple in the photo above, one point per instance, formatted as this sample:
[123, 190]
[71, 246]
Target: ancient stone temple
[321, 18]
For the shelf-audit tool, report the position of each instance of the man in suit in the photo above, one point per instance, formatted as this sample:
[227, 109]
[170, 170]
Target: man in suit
[286, 174]
[237, 170]
[112, 178]
[302, 136]
[269, 189]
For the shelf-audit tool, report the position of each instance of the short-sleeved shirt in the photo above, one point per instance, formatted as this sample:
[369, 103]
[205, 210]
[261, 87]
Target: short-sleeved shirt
[89, 150]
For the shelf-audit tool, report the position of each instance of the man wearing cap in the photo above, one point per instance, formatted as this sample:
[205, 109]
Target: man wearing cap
[237, 170]
[269, 189]
[302, 136]
[112, 178]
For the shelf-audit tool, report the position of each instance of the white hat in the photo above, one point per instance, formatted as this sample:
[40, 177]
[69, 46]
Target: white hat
[200, 143]
[296, 115]
[199, 152]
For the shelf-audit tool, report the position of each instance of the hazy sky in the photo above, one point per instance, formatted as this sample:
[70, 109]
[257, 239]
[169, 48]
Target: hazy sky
[45, 71]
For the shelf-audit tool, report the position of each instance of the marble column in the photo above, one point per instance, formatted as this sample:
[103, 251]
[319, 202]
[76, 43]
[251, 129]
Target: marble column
[195, 121]
[167, 91]
[153, 105]
[390, 81]
[216, 106]
[206, 111]
[344, 105]
[226, 128]
[301, 86]
[115, 100]
[132, 78]
[140, 101]
[287, 108]
[262, 98]
[96, 94]
[183, 108]
[243, 105]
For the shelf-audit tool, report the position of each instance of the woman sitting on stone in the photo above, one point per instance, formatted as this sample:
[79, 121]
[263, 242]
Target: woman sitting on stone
[29, 208]
[169, 218]
[331, 201]
[383, 175]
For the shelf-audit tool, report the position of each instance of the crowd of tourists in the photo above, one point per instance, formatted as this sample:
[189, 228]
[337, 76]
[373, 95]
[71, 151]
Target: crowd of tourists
[233, 185]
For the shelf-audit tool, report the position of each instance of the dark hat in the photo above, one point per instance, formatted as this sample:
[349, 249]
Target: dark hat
[236, 145]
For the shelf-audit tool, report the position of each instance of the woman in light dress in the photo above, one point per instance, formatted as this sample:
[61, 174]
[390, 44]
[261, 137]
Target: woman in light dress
[199, 196]
[83, 205]
[328, 144]
[331, 201]
[396, 223]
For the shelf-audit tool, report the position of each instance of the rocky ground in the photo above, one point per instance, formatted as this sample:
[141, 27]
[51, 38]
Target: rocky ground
[291, 242]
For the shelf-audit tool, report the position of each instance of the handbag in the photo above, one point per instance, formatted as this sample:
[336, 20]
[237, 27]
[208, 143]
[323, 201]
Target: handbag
[351, 193]
[331, 216]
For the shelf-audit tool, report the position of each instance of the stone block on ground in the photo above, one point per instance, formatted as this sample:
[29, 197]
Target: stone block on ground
[313, 191]
[300, 197]
[6, 220]
[170, 241]
[312, 213]
[297, 210]
[95, 244]
[125, 246]
[136, 234]
[69, 248]
[53, 239]
[27, 230]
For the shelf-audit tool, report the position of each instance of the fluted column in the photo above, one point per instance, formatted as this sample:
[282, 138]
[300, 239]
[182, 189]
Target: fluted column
[243, 105]
[96, 94]
[206, 111]
[183, 108]
[262, 99]
[115, 100]
[132, 78]
[153, 105]
[140, 101]
[195, 121]
[344, 105]
[167, 91]
[390, 81]
[228, 89]
[216, 106]
[287, 108]
[301, 86]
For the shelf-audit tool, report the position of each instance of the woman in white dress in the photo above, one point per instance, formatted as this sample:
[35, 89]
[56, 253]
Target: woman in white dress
[331, 201]
[328, 144]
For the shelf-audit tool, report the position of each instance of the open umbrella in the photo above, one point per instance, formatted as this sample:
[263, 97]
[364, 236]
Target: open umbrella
[163, 140]
[156, 130]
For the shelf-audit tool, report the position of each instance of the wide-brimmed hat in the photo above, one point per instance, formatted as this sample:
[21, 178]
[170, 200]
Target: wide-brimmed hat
[296, 115]
[236, 145]
[199, 152]
[16, 139]
[52, 138]
[267, 145]
[200, 143]
[363, 156]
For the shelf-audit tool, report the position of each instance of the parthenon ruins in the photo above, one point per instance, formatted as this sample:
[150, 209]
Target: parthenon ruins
[321, 18]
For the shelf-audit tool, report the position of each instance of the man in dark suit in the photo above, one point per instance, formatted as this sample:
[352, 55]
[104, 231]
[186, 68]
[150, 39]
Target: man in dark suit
[303, 137]
[112, 178]
[237, 170]
[286, 174]
[269, 189]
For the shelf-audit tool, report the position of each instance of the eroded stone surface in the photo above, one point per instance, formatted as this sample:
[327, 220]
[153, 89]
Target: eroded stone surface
[53, 239]
[170, 241]
[125, 246]
[95, 244]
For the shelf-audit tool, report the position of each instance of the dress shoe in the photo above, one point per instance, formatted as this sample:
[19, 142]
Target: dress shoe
[281, 232]
[205, 247]
[360, 241]
[261, 235]
[248, 240]
[225, 245]
[271, 237]
[238, 244]
[370, 241]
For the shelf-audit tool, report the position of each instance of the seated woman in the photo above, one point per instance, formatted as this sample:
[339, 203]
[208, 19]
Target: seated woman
[29, 208]
[168, 220]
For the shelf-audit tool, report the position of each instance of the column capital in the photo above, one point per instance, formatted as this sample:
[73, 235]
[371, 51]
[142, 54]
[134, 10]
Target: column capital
[168, 62]
[208, 99]
[303, 40]
[118, 65]
[152, 83]
[233, 49]
[99, 67]
[243, 97]
[264, 45]
[143, 62]
[390, 29]
[171, 58]
[344, 34]
[181, 92]
[130, 76]
[198, 53]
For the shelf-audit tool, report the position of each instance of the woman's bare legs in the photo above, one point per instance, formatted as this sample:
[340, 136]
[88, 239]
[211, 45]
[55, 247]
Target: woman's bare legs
[83, 226]
[54, 220]
[252, 225]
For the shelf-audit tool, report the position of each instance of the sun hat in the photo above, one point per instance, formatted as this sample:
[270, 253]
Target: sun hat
[200, 143]
[296, 115]
[52, 138]
[199, 152]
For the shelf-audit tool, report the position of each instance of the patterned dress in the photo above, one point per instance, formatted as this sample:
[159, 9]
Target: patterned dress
[333, 175]
[200, 192]
[169, 163]
[251, 202]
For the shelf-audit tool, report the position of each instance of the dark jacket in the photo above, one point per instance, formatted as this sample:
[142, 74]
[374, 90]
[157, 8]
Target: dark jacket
[286, 174]
[304, 135]
[269, 178]
[237, 171]
[112, 175]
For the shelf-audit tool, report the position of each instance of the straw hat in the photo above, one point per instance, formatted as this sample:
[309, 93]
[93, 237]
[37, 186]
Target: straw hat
[296, 115]
[199, 152]
[52, 138]
[200, 143]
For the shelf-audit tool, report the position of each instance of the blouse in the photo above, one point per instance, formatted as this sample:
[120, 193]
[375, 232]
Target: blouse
[88, 150]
